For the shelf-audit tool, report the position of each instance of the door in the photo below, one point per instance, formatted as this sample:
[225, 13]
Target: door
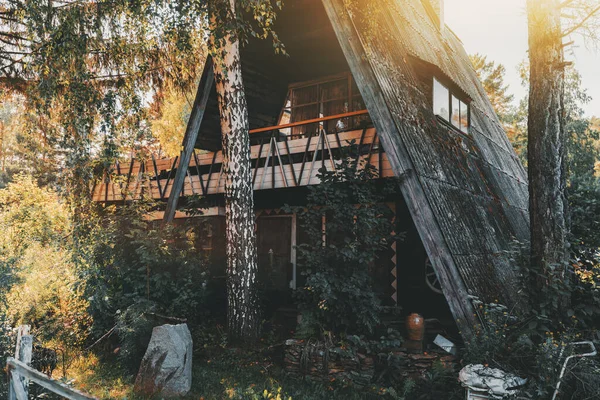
[275, 253]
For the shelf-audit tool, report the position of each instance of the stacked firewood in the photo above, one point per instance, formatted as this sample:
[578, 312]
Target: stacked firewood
[416, 365]
[320, 361]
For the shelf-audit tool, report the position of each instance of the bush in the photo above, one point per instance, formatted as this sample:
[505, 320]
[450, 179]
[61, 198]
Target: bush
[135, 267]
[49, 297]
[338, 294]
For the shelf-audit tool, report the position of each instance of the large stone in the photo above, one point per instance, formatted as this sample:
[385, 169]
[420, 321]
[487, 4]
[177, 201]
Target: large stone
[166, 368]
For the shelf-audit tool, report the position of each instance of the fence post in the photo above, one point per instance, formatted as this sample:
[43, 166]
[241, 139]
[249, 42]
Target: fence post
[23, 352]
[25, 355]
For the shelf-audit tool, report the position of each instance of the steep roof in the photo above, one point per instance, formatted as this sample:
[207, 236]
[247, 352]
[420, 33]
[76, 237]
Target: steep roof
[472, 189]
[468, 193]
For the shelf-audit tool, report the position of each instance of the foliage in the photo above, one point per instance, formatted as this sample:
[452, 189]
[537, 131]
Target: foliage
[134, 327]
[28, 215]
[535, 345]
[438, 383]
[39, 283]
[7, 349]
[48, 296]
[235, 374]
[11, 123]
[139, 267]
[492, 79]
[169, 127]
[338, 295]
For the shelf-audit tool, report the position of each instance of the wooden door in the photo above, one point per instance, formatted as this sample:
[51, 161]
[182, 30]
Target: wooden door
[274, 245]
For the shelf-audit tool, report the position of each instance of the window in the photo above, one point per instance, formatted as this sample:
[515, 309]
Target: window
[440, 100]
[323, 98]
[448, 106]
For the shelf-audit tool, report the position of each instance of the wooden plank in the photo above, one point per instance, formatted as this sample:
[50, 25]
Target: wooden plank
[191, 134]
[388, 127]
[295, 146]
[209, 212]
[41, 379]
[25, 355]
[16, 392]
[194, 184]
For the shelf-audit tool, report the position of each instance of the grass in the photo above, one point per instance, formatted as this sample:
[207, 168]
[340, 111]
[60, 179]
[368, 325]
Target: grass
[228, 374]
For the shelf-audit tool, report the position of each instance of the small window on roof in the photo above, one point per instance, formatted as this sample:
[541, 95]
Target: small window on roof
[451, 108]
[440, 100]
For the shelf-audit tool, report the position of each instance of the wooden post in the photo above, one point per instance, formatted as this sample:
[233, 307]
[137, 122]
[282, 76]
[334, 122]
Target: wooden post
[25, 356]
[191, 134]
[19, 386]
[18, 369]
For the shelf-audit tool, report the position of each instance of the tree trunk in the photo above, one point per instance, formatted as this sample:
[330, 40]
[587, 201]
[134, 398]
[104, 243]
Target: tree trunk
[243, 314]
[547, 138]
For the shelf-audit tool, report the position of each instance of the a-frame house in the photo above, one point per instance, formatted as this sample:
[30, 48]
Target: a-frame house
[392, 76]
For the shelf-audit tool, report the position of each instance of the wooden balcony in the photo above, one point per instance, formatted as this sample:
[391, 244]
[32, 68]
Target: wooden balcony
[279, 161]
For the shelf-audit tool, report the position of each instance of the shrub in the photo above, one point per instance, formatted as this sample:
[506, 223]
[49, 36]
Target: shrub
[48, 297]
[135, 267]
[338, 294]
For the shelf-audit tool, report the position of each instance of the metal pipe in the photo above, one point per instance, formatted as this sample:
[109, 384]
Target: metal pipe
[562, 372]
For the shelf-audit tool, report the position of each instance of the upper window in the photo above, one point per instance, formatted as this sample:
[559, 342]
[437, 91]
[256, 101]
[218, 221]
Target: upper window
[323, 98]
[450, 107]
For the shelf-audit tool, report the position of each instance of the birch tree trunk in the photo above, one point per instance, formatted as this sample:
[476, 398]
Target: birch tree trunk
[547, 138]
[243, 314]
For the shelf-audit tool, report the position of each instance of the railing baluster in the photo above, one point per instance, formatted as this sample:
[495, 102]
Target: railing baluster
[273, 146]
[326, 140]
[128, 180]
[212, 164]
[281, 164]
[198, 172]
[314, 160]
[169, 176]
[304, 159]
[262, 142]
[262, 179]
[160, 191]
[291, 160]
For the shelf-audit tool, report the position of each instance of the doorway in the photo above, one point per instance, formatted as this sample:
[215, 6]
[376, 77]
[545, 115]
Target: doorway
[276, 241]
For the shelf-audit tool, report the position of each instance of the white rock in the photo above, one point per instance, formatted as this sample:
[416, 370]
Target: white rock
[166, 368]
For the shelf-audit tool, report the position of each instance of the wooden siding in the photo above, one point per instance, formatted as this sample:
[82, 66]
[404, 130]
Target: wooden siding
[277, 164]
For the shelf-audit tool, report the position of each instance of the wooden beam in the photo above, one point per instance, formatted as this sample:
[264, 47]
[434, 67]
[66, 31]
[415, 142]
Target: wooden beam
[388, 127]
[191, 135]
[23, 370]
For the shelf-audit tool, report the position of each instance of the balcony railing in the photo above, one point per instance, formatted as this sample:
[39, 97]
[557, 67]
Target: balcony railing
[278, 161]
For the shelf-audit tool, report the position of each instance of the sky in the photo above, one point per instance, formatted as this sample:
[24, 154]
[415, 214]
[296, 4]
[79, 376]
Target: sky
[498, 29]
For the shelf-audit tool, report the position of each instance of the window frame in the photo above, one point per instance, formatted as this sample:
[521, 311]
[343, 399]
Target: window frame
[460, 99]
[351, 98]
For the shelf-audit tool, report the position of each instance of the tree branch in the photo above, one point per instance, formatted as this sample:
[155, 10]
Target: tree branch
[565, 3]
[583, 21]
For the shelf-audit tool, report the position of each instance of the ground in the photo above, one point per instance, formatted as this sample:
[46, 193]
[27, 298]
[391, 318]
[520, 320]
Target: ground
[232, 374]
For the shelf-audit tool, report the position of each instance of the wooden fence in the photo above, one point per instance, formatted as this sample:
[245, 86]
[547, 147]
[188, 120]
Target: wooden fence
[20, 373]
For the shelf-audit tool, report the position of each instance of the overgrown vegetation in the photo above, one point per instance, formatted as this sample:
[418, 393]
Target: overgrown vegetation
[93, 282]
[348, 225]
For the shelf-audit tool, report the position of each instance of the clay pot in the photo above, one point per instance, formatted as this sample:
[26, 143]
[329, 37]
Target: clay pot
[415, 327]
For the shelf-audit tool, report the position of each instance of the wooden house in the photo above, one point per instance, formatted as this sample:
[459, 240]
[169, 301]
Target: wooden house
[392, 76]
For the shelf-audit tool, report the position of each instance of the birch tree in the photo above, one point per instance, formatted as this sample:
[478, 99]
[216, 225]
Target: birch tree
[550, 21]
[242, 262]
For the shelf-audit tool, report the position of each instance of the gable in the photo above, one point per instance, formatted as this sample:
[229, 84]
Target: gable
[313, 51]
